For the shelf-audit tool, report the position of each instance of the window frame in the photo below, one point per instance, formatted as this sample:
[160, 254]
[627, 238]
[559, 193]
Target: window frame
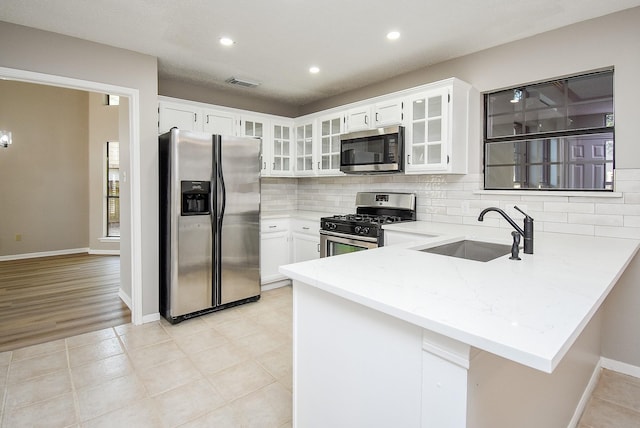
[108, 196]
[531, 138]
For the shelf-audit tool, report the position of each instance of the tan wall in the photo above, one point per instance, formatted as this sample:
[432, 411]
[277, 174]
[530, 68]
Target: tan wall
[44, 52]
[44, 192]
[103, 127]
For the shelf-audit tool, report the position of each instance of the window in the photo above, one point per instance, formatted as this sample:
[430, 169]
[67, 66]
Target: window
[556, 135]
[113, 189]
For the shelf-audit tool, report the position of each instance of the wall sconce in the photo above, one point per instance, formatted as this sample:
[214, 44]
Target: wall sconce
[5, 138]
[113, 100]
[517, 96]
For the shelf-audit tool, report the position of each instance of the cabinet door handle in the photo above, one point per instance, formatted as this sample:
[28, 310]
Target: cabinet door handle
[272, 227]
[195, 117]
[377, 118]
[207, 119]
[274, 165]
[409, 159]
[305, 228]
[318, 247]
[366, 119]
[318, 165]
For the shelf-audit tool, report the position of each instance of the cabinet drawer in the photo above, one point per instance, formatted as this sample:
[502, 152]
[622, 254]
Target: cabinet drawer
[308, 227]
[278, 225]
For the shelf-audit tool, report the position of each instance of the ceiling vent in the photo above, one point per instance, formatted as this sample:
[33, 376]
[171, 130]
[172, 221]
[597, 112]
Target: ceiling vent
[242, 82]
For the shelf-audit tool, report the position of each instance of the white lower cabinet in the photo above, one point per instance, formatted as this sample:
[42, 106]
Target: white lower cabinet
[305, 240]
[284, 241]
[274, 249]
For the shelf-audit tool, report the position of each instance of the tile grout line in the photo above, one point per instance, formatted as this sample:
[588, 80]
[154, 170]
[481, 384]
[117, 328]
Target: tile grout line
[3, 414]
[76, 403]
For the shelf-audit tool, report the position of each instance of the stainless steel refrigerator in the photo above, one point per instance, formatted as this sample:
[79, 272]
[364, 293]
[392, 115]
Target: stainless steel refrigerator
[209, 222]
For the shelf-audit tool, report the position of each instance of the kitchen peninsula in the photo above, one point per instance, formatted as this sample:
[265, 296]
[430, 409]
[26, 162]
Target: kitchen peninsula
[399, 337]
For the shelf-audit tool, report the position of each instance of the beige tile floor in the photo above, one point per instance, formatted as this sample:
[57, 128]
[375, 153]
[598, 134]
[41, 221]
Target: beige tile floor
[615, 403]
[227, 369]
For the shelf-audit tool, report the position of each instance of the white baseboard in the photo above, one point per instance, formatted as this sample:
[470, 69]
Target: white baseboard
[105, 252]
[620, 367]
[44, 254]
[125, 298]
[276, 284]
[150, 318]
[586, 395]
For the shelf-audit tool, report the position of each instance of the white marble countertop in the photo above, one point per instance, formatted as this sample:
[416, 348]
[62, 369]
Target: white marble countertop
[529, 311]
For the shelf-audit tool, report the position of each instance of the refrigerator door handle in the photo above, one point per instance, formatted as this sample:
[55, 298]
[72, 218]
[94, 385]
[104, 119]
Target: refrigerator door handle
[223, 194]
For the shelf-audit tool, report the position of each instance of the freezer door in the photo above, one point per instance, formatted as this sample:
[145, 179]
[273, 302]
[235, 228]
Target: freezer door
[191, 203]
[238, 212]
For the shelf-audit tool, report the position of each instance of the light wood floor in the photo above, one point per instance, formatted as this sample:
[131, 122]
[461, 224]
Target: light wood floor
[51, 298]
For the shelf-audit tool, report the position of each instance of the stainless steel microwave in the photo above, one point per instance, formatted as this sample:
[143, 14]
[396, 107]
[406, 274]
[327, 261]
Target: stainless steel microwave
[374, 151]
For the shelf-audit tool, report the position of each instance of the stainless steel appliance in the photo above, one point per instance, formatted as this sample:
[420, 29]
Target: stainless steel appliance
[341, 234]
[209, 222]
[373, 151]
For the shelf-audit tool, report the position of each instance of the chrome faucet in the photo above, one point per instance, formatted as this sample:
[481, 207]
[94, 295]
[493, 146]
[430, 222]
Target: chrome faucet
[527, 233]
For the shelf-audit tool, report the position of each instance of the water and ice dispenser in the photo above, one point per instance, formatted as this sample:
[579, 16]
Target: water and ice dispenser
[196, 197]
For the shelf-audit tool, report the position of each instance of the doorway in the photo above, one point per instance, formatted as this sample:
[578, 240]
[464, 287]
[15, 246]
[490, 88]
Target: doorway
[131, 213]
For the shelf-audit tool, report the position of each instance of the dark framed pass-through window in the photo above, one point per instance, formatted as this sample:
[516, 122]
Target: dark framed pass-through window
[555, 135]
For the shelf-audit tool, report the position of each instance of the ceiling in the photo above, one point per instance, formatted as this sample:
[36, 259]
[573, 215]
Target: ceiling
[277, 41]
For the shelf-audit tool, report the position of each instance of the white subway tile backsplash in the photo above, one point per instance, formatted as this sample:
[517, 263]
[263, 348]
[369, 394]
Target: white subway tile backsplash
[623, 209]
[631, 221]
[574, 229]
[596, 219]
[459, 199]
[569, 207]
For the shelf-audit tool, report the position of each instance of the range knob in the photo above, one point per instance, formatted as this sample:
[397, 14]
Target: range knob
[357, 229]
[331, 226]
[365, 230]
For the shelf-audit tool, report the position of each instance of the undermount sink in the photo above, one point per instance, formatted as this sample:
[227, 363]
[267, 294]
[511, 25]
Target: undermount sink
[471, 250]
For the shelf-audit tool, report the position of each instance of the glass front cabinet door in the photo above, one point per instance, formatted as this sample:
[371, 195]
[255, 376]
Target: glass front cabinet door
[329, 147]
[437, 129]
[304, 149]
[427, 136]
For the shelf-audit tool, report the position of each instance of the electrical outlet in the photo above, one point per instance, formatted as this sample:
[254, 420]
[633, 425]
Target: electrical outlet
[18, 237]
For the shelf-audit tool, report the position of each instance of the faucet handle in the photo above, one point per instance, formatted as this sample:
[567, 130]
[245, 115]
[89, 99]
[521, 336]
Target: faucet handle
[526, 216]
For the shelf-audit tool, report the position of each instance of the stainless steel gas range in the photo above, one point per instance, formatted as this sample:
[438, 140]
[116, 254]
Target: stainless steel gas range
[341, 234]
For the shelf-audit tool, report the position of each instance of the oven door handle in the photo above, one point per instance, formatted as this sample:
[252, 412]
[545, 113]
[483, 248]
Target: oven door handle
[349, 239]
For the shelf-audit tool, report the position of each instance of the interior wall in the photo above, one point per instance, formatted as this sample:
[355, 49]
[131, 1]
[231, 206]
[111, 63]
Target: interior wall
[44, 192]
[235, 98]
[103, 127]
[44, 52]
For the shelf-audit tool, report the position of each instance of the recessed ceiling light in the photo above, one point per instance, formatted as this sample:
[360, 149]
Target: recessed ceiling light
[393, 35]
[314, 70]
[226, 41]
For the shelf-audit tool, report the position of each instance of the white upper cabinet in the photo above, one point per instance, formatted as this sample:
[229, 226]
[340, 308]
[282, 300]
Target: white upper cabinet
[329, 144]
[304, 149]
[437, 129]
[439, 119]
[281, 149]
[182, 116]
[388, 113]
[219, 122]
[359, 119]
[252, 126]
[377, 115]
